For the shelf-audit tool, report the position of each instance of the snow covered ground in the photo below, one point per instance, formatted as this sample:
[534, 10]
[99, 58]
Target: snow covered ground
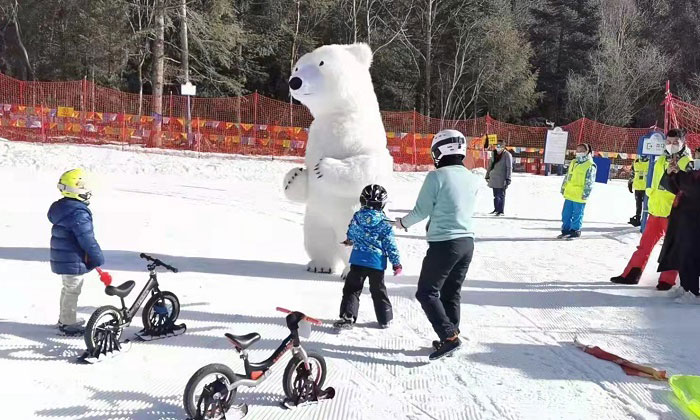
[224, 223]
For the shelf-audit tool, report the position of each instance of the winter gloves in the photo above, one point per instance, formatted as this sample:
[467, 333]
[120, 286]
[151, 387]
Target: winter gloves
[507, 184]
[629, 185]
[105, 277]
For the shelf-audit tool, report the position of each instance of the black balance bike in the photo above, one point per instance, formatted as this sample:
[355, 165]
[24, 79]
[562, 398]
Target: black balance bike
[211, 391]
[107, 323]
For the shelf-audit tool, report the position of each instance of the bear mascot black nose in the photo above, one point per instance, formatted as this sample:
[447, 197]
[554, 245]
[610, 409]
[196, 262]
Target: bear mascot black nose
[295, 83]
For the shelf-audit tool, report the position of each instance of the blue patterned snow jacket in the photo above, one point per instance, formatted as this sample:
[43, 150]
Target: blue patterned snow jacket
[74, 249]
[373, 240]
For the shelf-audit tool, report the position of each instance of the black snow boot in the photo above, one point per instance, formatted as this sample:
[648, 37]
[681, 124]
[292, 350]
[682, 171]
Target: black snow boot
[445, 348]
[663, 286]
[344, 323]
[632, 278]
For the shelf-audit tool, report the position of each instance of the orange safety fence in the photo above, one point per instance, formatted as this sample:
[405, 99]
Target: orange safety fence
[83, 112]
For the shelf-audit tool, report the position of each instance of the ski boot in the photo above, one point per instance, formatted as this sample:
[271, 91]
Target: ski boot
[631, 278]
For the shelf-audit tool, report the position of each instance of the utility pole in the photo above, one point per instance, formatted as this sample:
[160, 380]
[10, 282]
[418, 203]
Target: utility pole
[186, 67]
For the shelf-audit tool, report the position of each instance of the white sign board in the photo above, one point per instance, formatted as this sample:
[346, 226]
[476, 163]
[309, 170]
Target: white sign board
[188, 89]
[654, 145]
[555, 148]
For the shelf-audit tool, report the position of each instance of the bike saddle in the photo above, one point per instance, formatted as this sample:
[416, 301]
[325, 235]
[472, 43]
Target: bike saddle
[242, 342]
[122, 290]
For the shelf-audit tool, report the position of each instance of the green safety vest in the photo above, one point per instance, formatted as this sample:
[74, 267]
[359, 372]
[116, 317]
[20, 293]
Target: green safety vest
[576, 180]
[660, 200]
[641, 169]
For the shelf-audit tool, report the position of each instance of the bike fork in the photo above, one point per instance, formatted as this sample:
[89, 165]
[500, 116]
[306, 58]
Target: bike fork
[304, 357]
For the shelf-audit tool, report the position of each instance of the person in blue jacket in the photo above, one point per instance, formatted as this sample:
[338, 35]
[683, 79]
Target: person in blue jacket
[74, 250]
[372, 240]
[448, 198]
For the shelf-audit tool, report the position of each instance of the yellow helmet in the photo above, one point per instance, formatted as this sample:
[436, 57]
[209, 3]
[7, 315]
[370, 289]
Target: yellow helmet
[73, 184]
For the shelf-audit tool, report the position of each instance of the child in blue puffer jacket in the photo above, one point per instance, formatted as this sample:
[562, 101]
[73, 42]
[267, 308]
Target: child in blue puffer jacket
[372, 239]
[74, 250]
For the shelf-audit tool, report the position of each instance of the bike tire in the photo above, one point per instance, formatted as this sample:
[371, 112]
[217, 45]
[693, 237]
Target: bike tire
[290, 372]
[146, 314]
[189, 398]
[91, 329]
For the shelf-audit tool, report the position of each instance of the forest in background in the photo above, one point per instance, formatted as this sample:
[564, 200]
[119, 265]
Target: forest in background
[520, 61]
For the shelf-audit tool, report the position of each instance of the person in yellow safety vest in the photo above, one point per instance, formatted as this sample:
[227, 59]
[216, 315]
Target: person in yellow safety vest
[660, 205]
[638, 185]
[576, 188]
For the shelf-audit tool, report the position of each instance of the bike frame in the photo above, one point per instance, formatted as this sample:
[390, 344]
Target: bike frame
[256, 373]
[151, 288]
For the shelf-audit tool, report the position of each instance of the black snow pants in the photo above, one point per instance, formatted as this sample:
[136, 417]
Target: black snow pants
[440, 283]
[639, 201]
[355, 281]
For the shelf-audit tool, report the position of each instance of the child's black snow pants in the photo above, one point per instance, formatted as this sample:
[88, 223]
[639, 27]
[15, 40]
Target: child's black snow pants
[352, 290]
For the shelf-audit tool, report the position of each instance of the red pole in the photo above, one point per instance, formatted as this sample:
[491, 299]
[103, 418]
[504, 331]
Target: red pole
[580, 132]
[82, 109]
[667, 104]
[255, 117]
[415, 152]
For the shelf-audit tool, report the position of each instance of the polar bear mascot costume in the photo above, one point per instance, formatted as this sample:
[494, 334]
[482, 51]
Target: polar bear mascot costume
[346, 149]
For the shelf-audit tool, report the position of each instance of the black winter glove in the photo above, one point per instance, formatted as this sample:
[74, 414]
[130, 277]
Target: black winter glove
[629, 185]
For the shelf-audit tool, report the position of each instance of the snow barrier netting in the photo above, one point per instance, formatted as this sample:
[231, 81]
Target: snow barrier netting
[84, 112]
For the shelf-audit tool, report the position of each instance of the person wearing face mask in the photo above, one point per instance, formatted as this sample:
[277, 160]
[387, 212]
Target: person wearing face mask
[498, 177]
[576, 189]
[638, 185]
[660, 203]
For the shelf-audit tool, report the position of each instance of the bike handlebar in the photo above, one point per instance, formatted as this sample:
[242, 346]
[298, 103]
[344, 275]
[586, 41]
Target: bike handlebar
[158, 262]
[306, 318]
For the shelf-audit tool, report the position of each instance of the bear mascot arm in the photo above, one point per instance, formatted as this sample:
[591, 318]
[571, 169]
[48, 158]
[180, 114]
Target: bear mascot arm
[347, 177]
[296, 185]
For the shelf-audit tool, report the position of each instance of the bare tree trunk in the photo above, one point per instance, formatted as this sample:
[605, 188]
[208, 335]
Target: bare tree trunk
[354, 21]
[293, 55]
[25, 55]
[140, 71]
[158, 71]
[183, 42]
[428, 56]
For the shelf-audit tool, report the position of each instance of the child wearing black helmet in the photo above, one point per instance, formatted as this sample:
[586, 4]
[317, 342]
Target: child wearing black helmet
[372, 239]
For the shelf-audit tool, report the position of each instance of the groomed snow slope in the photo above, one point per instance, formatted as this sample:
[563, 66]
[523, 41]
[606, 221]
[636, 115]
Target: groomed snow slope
[224, 222]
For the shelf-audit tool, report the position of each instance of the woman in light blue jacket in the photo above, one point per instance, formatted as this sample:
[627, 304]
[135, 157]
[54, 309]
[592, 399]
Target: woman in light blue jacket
[448, 198]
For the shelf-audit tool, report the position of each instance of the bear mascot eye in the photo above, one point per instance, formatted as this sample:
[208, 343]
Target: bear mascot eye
[320, 64]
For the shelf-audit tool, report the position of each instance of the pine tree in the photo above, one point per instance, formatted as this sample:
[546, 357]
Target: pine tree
[563, 34]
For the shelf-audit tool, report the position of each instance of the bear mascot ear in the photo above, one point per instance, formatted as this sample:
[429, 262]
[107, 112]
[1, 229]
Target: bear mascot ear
[362, 52]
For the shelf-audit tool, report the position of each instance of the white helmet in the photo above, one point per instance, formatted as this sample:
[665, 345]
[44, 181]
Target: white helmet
[448, 142]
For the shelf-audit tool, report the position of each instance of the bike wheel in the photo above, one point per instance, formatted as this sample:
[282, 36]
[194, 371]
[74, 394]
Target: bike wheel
[219, 400]
[105, 320]
[318, 372]
[161, 309]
